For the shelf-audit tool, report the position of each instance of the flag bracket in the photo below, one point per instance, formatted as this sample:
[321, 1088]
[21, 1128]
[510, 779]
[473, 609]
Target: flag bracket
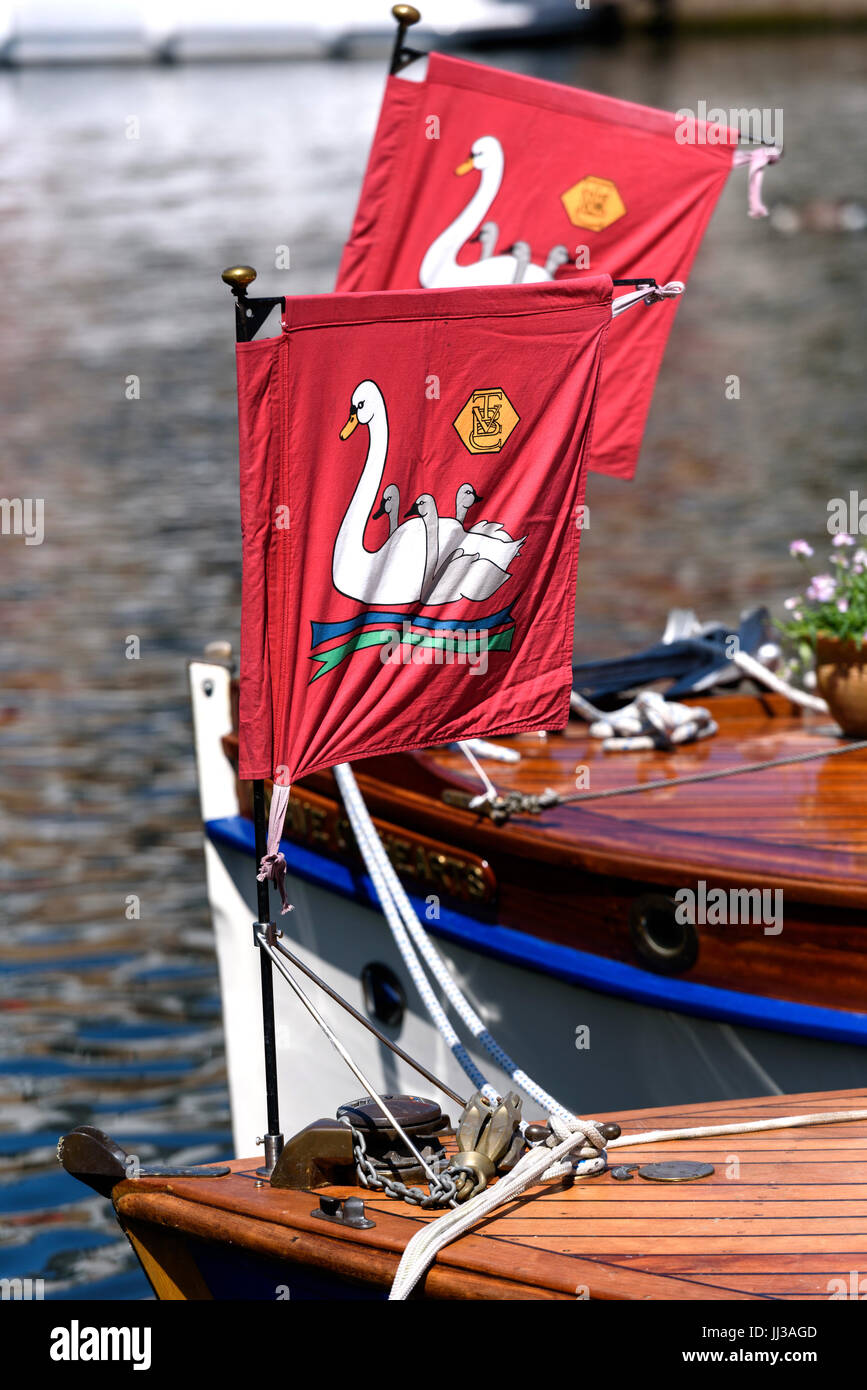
[401, 57]
[642, 280]
[250, 314]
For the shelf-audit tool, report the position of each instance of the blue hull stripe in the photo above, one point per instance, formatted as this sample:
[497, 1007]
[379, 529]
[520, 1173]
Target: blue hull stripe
[566, 962]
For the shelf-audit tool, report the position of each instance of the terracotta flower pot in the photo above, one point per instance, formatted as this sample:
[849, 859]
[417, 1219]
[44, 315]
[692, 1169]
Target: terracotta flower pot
[841, 675]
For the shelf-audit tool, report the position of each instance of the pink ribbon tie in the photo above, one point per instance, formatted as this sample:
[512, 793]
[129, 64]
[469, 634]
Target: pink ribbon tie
[758, 160]
[272, 865]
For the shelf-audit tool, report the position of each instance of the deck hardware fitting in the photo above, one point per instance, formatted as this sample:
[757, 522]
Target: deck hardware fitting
[96, 1159]
[675, 1170]
[489, 1141]
[343, 1211]
[502, 807]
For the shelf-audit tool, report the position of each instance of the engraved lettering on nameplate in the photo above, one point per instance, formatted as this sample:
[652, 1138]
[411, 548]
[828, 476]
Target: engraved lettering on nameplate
[427, 865]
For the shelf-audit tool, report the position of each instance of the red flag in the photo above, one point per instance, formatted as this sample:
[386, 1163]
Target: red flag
[478, 175]
[411, 503]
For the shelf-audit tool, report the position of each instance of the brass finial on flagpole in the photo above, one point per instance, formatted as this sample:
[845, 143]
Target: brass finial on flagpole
[250, 314]
[238, 277]
[406, 16]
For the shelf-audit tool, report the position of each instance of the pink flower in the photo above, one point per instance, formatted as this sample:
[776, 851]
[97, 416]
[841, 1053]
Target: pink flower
[800, 548]
[791, 604]
[843, 605]
[843, 539]
[822, 588]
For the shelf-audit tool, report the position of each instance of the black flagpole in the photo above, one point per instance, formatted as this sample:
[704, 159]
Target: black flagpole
[249, 317]
[273, 1139]
[405, 15]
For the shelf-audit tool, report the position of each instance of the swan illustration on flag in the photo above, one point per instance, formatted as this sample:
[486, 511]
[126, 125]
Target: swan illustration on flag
[427, 560]
[412, 467]
[524, 181]
[440, 266]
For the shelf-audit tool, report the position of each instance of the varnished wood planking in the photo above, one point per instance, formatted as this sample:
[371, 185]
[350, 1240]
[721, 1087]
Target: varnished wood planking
[795, 1219]
[571, 874]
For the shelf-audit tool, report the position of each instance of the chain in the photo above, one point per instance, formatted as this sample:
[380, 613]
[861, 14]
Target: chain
[443, 1193]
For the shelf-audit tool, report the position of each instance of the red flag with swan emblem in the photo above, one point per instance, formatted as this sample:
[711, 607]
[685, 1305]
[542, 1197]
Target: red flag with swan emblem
[411, 506]
[478, 176]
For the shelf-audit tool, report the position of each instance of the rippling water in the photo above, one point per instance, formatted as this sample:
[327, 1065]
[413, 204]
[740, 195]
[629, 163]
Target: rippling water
[111, 251]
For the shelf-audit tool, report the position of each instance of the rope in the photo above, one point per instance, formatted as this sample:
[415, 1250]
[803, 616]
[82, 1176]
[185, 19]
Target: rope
[550, 1160]
[357, 812]
[762, 676]
[498, 752]
[366, 1023]
[490, 792]
[651, 721]
[663, 782]
[394, 900]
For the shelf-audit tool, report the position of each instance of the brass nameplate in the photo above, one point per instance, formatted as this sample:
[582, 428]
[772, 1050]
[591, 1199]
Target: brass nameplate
[426, 865]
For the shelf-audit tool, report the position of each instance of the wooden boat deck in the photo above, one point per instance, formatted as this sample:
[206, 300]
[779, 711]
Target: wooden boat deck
[801, 822]
[782, 1217]
[574, 874]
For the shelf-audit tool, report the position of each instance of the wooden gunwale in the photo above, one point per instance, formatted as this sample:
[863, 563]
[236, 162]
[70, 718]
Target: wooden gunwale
[625, 836]
[791, 1219]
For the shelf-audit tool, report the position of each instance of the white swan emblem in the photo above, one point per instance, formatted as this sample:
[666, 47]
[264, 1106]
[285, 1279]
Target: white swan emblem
[463, 573]
[426, 558]
[468, 497]
[440, 268]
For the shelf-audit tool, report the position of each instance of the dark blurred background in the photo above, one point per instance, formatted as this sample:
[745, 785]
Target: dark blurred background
[111, 252]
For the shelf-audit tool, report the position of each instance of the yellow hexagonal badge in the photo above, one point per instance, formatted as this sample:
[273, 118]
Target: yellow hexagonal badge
[593, 203]
[486, 421]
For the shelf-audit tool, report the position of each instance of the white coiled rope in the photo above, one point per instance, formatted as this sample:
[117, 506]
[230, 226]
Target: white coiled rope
[650, 721]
